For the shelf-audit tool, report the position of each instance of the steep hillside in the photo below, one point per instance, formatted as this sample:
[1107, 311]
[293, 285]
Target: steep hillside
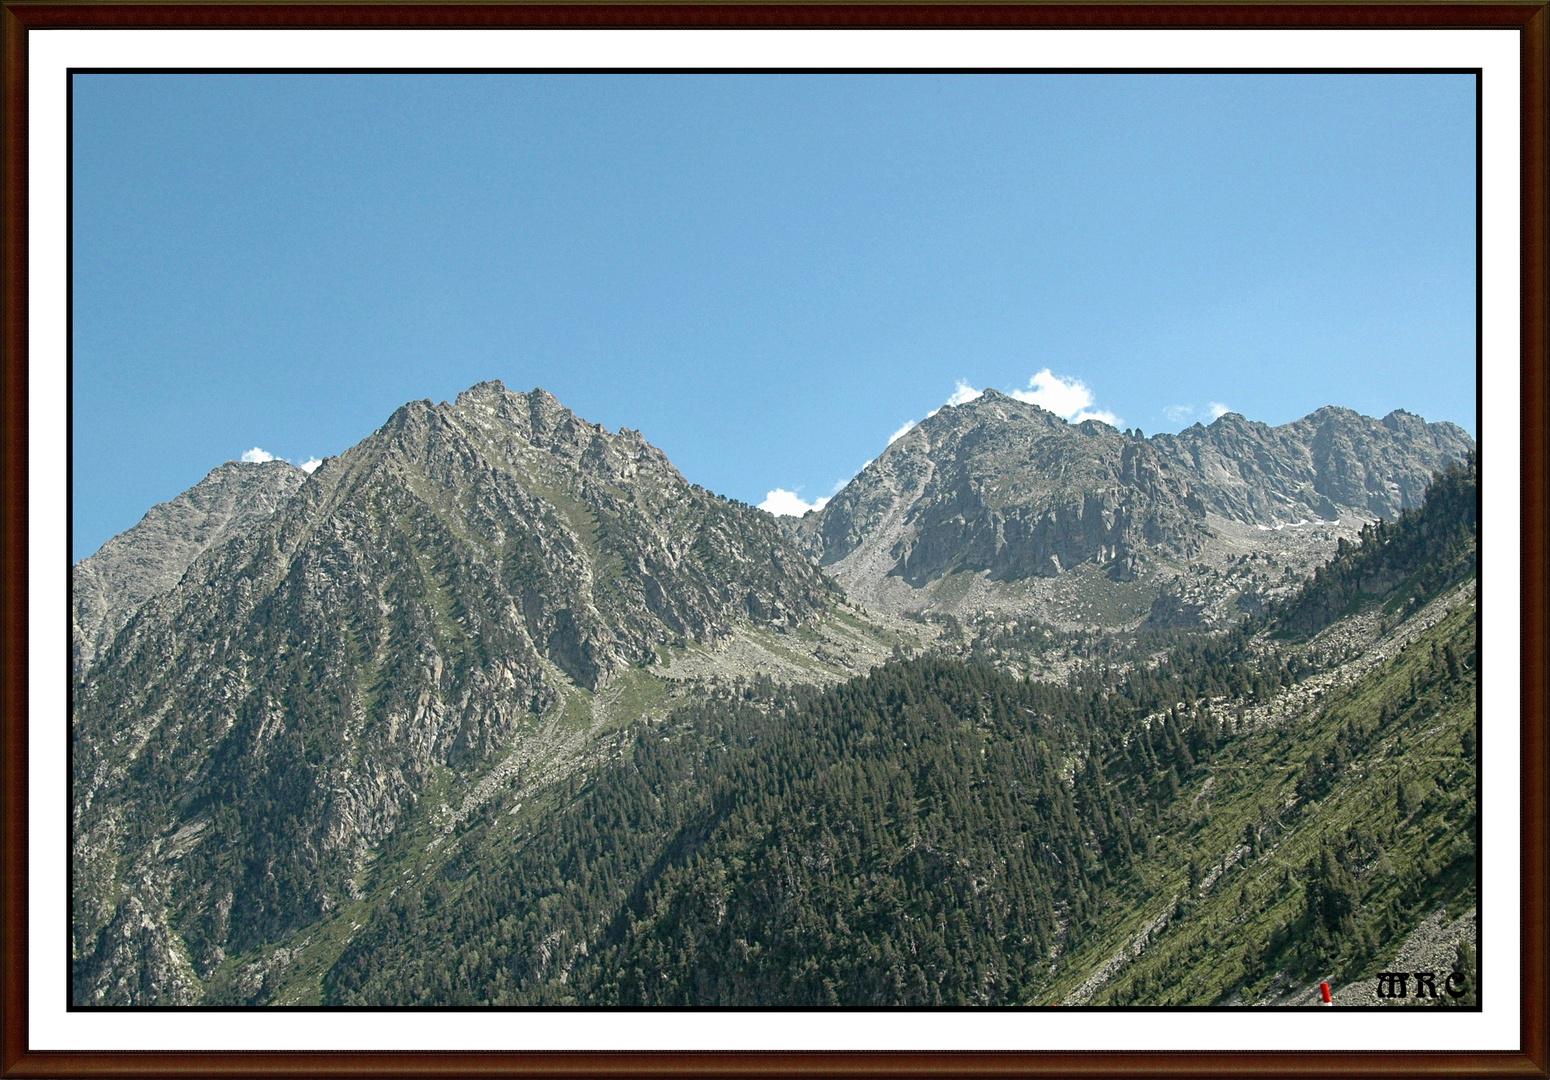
[938, 833]
[1400, 564]
[147, 560]
[751, 852]
[1227, 825]
[453, 593]
[1342, 829]
[1344, 819]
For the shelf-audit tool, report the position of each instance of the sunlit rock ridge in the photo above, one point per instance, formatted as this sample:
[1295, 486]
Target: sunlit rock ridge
[1007, 491]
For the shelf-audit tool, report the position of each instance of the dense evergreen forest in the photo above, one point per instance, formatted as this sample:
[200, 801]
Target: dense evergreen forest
[905, 838]
[939, 833]
[942, 833]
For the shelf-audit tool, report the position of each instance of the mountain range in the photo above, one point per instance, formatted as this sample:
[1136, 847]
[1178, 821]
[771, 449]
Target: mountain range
[300, 700]
[989, 503]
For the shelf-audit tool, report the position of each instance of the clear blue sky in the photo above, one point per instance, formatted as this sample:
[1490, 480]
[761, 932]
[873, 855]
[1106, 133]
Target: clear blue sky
[767, 275]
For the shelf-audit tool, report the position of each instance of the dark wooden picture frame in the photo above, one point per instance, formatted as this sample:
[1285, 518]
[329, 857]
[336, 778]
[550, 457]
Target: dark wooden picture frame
[20, 17]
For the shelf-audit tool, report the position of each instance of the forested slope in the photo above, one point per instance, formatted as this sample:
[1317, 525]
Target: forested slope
[1402, 563]
[1235, 818]
[1308, 849]
[905, 838]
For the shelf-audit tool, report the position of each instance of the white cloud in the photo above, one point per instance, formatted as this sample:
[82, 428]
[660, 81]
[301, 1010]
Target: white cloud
[1183, 414]
[963, 394]
[902, 431]
[783, 503]
[256, 454]
[311, 464]
[1068, 398]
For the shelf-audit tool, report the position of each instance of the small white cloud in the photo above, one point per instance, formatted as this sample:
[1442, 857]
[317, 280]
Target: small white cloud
[964, 394]
[311, 464]
[1065, 397]
[901, 432]
[1183, 414]
[256, 454]
[783, 503]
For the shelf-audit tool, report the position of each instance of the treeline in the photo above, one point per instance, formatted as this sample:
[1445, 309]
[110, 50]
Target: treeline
[1405, 562]
[903, 838]
[934, 833]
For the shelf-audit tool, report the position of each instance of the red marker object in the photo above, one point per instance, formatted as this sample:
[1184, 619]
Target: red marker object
[1324, 993]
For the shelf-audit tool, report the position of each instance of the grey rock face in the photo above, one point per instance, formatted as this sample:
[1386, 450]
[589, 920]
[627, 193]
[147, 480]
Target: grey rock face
[1011, 492]
[1330, 463]
[147, 560]
[267, 722]
[1004, 486]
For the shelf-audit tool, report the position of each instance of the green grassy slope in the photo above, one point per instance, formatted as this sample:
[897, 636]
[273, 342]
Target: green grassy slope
[1316, 845]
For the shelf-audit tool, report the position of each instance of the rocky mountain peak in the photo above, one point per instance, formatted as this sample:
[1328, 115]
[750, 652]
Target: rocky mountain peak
[484, 391]
[992, 406]
[1008, 488]
[1334, 462]
[1005, 489]
[462, 575]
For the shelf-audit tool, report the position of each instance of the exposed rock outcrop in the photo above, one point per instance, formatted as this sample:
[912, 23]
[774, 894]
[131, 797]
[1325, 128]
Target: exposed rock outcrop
[1003, 486]
[998, 490]
[1332, 462]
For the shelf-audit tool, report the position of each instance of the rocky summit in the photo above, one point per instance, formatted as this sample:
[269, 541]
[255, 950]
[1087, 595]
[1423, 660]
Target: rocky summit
[991, 505]
[1003, 486]
[266, 721]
